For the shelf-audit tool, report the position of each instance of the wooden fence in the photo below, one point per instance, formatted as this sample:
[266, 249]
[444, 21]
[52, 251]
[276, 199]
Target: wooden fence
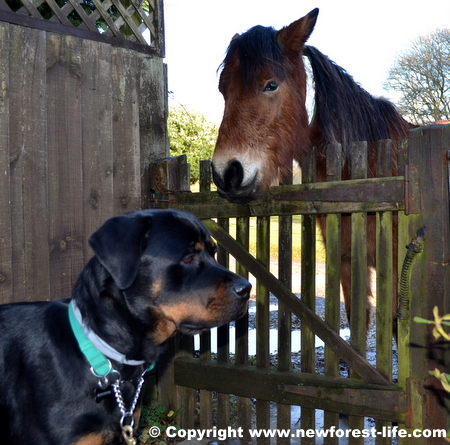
[391, 388]
[82, 114]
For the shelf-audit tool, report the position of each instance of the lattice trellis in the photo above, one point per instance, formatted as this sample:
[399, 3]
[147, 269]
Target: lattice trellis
[134, 20]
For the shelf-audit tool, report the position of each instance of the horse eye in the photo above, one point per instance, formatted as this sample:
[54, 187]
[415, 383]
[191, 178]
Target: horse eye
[271, 86]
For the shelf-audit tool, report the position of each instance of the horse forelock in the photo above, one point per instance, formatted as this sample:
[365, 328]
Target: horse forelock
[256, 50]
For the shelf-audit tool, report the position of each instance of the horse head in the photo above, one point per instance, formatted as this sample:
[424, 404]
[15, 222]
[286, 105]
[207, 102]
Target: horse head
[265, 122]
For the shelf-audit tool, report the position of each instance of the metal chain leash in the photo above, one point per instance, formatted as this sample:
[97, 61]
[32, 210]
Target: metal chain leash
[127, 430]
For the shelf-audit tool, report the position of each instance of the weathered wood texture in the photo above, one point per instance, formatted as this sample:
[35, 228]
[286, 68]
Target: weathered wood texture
[79, 123]
[122, 23]
[407, 395]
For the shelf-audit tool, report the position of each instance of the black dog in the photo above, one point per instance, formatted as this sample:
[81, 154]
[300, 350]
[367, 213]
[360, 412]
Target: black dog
[153, 274]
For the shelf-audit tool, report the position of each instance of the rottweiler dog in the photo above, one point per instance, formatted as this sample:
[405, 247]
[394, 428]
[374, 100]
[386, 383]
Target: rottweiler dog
[153, 274]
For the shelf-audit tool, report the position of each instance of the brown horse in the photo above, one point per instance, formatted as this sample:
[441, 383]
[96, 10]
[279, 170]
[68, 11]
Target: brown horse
[265, 123]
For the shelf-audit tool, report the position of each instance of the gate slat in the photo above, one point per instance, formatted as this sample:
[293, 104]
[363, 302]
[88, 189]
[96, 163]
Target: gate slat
[384, 255]
[223, 342]
[262, 320]
[332, 280]
[358, 288]
[244, 413]
[308, 292]
[284, 314]
[206, 411]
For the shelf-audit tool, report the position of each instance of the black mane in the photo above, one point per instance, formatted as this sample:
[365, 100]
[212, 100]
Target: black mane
[345, 112]
[257, 48]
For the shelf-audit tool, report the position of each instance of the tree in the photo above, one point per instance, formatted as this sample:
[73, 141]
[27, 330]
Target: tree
[422, 75]
[192, 134]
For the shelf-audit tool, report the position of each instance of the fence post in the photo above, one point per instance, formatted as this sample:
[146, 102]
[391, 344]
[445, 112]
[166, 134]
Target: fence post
[168, 176]
[430, 274]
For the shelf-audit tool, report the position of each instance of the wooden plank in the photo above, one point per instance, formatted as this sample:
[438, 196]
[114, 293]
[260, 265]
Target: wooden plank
[430, 273]
[308, 291]
[332, 280]
[206, 407]
[153, 111]
[125, 68]
[244, 411]
[97, 136]
[385, 280]
[262, 320]
[29, 199]
[308, 317]
[268, 205]
[311, 391]
[359, 283]
[223, 340]
[374, 190]
[6, 270]
[403, 325]
[284, 314]
[66, 234]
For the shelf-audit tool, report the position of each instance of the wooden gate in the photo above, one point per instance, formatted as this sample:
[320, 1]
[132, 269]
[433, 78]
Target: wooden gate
[391, 390]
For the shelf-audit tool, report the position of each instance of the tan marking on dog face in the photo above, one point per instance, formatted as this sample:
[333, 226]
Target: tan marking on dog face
[185, 310]
[164, 330]
[92, 439]
[156, 287]
[199, 246]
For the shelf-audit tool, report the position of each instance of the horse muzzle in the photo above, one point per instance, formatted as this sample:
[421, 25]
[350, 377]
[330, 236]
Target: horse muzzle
[234, 183]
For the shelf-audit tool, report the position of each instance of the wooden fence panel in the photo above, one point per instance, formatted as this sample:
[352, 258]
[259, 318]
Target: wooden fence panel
[80, 120]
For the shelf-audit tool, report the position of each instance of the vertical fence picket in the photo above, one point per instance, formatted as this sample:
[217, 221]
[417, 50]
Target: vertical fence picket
[358, 274]
[308, 292]
[244, 414]
[262, 320]
[223, 341]
[332, 280]
[284, 314]
[205, 338]
[384, 246]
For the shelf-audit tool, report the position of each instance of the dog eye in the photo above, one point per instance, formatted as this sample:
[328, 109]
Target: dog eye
[189, 259]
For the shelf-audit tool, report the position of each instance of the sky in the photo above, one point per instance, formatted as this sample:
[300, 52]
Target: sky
[362, 37]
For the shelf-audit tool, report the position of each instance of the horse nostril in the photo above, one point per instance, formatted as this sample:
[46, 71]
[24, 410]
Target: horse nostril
[234, 175]
[242, 289]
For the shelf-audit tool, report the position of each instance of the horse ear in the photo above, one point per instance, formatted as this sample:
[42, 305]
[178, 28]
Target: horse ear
[293, 37]
[119, 243]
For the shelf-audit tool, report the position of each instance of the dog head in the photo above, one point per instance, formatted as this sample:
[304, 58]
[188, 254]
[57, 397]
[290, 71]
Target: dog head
[163, 261]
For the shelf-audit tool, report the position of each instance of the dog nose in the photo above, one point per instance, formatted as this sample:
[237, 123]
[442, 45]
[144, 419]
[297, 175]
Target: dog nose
[242, 288]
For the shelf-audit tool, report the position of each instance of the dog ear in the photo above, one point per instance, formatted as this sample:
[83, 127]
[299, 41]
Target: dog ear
[118, 245]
